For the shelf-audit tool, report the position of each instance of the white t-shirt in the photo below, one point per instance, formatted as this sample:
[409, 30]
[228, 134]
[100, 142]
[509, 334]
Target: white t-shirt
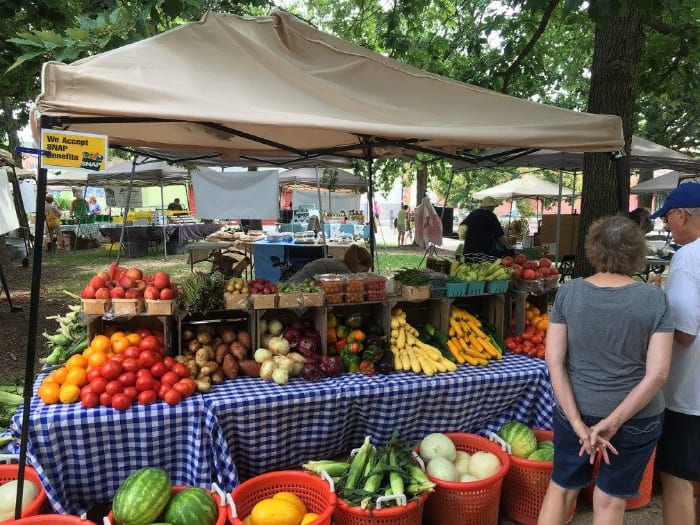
[682, 388]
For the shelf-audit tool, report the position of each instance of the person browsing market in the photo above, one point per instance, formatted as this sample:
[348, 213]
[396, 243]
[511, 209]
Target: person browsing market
[175, 205]
[677, 457]
[356, 259]
[484, 233]
[607, 360]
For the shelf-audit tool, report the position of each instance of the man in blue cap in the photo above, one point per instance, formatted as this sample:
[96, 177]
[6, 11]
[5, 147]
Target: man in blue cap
[677, 456]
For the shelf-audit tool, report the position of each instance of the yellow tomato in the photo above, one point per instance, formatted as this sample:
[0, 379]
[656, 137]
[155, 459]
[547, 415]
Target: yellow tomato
[96, 359]
[77, 361]
[101, 343]
[69, 393]
[49, 391]
[275, 511]
[58, 375]
[293, 499]
[309, 517]
[76, 376]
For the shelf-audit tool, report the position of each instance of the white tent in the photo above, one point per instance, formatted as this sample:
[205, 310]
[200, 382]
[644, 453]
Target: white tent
[663, 183]
[525, 186]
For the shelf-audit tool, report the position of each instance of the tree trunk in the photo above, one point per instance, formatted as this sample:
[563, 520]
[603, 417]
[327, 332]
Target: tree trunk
[618, 47]
[12, 131]
[421, 182]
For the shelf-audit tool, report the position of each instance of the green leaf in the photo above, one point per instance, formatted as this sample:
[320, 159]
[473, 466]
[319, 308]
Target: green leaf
[77, 33]
[27, 56]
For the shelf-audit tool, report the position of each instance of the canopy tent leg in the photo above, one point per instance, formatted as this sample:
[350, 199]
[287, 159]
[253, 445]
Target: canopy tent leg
[126, 209]
[370, 202]
[162, 214]
[320, 210]
[13, 309]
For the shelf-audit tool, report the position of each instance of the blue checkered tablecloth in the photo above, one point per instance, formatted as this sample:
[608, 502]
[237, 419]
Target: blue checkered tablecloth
[82, 455]
[271, 427]
[249, 426]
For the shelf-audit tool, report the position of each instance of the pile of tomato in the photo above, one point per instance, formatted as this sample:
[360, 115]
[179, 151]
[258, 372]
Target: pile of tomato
[117, 370]
[531, 341]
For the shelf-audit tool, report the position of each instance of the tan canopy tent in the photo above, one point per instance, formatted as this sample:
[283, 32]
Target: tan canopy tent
[276, 88]
[328, 179]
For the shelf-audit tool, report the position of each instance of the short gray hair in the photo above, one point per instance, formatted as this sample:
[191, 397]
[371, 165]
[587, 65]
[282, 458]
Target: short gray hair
[616, 244]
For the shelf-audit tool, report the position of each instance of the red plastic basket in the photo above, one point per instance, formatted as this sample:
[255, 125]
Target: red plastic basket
[525, 485]
[10, 472]
[645, 486]
[315, 492]
[53, 519]
[220, 520]
[472, 503]
[410, 514]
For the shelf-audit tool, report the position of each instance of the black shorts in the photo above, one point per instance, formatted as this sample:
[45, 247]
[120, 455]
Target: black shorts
[677, 451]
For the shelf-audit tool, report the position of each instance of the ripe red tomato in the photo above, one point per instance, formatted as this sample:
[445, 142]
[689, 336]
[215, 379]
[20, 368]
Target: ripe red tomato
[147, 359]
[127, 379]
[159, 337]
[105, 399]
[89, 399]
[181, 370]
[144, 382]
[121, 401]
[184, 387]
[172, 397]
[131, 364]
[94, 373]
[529, 274]
[119, 358]
[132, 351]
[131, 392]
[162, 389]
[158, 369]
[114, 387]
[147, 397]
[536, 339]
[149, 343]
[545, 263]
[169, 362]
[143, 332]
[98, 385]
[110, 369]
[169, 378]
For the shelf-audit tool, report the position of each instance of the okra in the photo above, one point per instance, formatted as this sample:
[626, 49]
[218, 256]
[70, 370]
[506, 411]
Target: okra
[333, 468]
[395, 479]
[357, 465]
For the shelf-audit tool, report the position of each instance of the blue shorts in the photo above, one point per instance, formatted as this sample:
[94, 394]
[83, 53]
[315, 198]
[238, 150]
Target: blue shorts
[635, 441]
[677, 452]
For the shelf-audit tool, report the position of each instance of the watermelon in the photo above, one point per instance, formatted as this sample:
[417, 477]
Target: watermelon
[545, 444]
[141, 497]
[542, 454]
[191, 506]
[521, 439]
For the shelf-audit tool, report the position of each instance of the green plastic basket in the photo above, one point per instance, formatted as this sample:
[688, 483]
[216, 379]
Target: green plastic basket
[475, 287]
[497, 286]
[456, 288]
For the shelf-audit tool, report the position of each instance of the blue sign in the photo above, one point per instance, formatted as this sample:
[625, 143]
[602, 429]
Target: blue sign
[33, 151]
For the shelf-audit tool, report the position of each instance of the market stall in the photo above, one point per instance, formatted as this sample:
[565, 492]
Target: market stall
[176, 236]
[286, 123]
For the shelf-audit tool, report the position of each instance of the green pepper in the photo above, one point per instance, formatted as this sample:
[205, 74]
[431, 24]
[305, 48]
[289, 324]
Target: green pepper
[372, 353]
[341, 331]
[351, 362]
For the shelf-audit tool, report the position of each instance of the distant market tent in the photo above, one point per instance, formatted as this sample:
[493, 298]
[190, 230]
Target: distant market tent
[663, 183]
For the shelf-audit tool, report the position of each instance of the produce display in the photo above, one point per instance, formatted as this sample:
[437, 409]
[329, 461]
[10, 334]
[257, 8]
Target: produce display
[214, 353]
[129, 283]
[119, 369]
[531, 341]
[262, 287]
[372, 473]
[412, 354]
[237, 285]
[202, 293]
[468, 342]
[147, 496]
[524, 443]
[444, 462]
[8, 495]
[482, 271]
[359, 342]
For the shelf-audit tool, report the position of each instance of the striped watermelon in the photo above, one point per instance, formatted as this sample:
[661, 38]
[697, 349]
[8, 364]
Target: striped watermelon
[522, 440]
[141, 497]
[191, 506]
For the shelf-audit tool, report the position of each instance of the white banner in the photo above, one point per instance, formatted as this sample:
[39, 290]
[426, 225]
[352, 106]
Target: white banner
[8, 216]
[116, 196]
[237, 194]
[338, 201]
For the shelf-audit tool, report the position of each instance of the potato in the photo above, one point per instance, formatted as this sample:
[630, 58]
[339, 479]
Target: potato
[230, 367]
[221, 352]
[202, 356]
[249, 367]
[244, 339]
[238, 350]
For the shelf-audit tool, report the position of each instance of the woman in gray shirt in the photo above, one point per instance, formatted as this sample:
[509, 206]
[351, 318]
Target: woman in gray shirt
[608, 352]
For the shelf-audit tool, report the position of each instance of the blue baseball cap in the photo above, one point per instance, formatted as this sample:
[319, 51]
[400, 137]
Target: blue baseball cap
[684, 196]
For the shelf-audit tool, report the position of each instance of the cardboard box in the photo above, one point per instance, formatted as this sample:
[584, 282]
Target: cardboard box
[415, 293]
[95, 306]
[568, 232]
[127, 306]
[264, 301]
[236, 301]
[312, 299]
[289, 300]
[160, 307]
